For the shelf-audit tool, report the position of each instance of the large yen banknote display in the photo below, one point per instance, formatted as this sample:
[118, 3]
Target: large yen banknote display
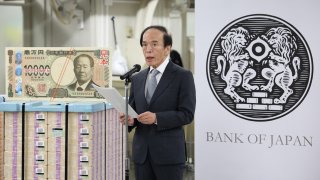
[56, 72]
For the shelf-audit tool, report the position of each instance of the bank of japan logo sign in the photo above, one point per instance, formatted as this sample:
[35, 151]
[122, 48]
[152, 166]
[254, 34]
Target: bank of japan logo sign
[259, 67]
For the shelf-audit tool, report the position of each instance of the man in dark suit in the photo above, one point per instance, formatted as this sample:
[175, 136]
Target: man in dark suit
[83, 69]
[159, 140]
[176, 58]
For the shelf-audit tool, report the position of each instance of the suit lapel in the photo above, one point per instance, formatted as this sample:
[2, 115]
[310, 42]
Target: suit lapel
[166, 79]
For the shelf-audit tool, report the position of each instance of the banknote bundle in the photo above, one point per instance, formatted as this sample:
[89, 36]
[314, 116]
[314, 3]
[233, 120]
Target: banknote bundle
[56, 143]
[115, 148]
[17, 151]
[87, 142]
[75, 140]
[12, 162]
[56, 72]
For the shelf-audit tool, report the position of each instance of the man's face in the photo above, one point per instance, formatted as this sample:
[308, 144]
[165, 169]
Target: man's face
[153, 47]
[83, 70]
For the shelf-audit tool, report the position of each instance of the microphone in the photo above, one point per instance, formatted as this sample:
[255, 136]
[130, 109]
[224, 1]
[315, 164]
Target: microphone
[136, 68]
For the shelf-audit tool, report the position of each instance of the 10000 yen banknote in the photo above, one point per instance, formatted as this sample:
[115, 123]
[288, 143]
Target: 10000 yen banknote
[56, 72]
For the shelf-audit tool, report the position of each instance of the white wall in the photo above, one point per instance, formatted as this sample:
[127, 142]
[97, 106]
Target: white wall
[272, 149]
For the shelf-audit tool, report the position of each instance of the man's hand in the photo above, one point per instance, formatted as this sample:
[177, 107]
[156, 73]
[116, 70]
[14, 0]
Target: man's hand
[122, 118]
[147, 118]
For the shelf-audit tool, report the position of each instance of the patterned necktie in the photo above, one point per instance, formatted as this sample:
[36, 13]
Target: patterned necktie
[151, 84]
[79, 89]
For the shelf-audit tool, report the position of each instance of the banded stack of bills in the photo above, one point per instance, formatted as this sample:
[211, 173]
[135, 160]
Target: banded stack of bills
[85, 142]
[43, 72]
[35, 148]
[87, 145]
[56, 145]
[115, 151]
[13, 145]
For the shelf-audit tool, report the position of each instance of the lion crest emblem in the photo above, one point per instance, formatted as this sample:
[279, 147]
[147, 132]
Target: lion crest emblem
[259, 67]
[278, 70]
[239, 62]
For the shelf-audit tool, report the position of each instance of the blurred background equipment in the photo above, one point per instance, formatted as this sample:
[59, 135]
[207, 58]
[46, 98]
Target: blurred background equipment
[119, 63]
[68, 10]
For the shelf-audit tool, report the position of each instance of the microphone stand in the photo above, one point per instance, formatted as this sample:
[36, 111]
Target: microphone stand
[127, 160]
[127, 77]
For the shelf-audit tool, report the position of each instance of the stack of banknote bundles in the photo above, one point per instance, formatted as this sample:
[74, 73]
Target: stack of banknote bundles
[15, 156]
[115, 135]
[87, 140]
[47, 124]
[53, 128]
[76, 140]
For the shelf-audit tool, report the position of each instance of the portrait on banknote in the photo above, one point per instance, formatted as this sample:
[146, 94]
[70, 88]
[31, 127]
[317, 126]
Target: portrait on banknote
[83, 68]
[55, 72]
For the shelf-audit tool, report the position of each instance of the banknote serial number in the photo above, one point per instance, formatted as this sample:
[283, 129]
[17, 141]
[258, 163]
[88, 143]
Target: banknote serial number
[37, 70]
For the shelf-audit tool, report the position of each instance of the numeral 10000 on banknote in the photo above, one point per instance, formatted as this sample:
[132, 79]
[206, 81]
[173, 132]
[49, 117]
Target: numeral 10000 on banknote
[57, 72]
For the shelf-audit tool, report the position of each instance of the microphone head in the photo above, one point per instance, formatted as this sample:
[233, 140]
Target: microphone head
[138, 67]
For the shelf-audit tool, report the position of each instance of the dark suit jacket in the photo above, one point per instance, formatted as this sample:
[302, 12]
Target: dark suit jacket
[174, 103]
[88, 88]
